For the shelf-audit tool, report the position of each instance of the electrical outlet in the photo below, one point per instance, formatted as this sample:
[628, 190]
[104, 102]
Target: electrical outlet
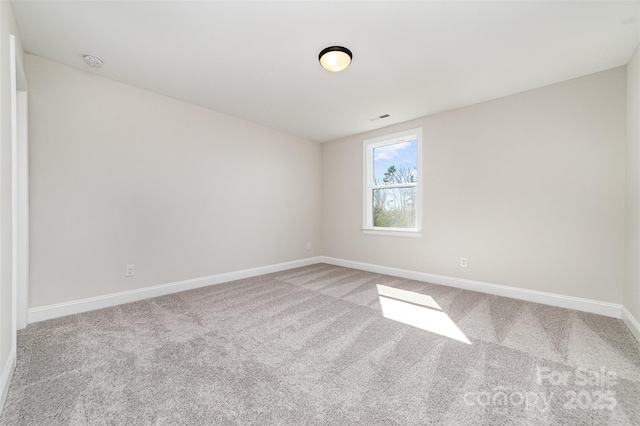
[308, 246]
[129, 270]
[463, 262]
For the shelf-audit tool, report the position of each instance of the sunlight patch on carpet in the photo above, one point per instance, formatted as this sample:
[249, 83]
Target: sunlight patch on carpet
[418, 310]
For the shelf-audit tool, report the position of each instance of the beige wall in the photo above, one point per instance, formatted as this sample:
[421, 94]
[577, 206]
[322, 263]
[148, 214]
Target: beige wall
[120, 175]
[530, 188]
[632, 267]
[7, 26]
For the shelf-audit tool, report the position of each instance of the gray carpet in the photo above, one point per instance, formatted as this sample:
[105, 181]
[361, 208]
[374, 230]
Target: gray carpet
[311, 346]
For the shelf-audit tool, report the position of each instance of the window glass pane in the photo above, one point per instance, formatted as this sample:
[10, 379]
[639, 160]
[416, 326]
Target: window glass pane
[395, 163]
[394, 207]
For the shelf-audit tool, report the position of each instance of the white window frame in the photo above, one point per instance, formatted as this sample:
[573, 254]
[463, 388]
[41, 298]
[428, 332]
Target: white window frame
[369, 145]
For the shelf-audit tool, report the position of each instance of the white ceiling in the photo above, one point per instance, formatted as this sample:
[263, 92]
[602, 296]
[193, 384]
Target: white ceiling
[258, 60]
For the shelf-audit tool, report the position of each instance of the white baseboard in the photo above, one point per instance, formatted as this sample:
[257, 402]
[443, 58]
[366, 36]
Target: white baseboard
[586, 305]
[5, 378]
[44, 313]
[632, 323]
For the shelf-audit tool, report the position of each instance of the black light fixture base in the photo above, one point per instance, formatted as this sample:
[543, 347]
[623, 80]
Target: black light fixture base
[335, 49]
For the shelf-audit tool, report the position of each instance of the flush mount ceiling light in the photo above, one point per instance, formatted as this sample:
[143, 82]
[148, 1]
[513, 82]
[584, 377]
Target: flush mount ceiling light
[335, 58]
[92, 61]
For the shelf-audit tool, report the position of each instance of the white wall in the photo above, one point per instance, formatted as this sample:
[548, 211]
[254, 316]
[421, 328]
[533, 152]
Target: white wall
[632, 267]
[7, 26]
[530, 188]
[120, 175]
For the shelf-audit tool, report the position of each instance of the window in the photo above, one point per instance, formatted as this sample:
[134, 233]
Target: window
[392, 184]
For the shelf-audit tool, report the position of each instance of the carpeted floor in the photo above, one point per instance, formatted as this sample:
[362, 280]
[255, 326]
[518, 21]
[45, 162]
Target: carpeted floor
[311, 346]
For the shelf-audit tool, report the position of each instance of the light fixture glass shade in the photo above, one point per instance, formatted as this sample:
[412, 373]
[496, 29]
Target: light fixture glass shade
[335, 58]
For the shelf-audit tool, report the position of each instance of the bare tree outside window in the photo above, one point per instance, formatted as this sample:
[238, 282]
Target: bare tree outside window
[394, 193]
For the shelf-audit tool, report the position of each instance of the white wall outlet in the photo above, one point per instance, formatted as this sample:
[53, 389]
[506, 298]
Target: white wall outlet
[129, 270]
[308, 246]
[463, 262]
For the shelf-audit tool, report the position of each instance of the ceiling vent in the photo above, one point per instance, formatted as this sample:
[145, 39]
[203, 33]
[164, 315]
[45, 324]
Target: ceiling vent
[92, 61]
[379, 117]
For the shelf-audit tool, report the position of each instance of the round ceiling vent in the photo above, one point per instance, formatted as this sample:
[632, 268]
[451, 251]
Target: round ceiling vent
[92, 61]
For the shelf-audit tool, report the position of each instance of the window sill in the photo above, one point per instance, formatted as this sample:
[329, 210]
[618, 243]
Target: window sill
[393, 232]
